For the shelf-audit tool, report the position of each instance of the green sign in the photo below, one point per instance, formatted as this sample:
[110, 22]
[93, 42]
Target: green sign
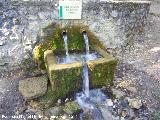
[70, 9]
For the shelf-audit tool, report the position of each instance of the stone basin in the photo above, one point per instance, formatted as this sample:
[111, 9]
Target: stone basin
[66, 78]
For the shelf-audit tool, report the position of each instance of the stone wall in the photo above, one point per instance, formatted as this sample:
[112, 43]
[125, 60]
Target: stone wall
[115, 22]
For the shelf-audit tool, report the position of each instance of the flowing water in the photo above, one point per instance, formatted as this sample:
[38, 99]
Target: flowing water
[85, 78]
[65, 38]
[85, 37]
[92, 105]
[89, 100]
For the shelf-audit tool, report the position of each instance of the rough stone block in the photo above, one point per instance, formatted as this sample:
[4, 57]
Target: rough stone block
[33, 87]
[102, 70]
[66, 78]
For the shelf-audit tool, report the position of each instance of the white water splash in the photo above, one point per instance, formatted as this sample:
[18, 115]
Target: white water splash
[89, 104]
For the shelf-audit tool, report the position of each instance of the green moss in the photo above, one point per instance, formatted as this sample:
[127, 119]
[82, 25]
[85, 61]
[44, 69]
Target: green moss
[65, 81]
[55, 41]
[72, 108]
[48, 99]
[103, 74]
[66, 78]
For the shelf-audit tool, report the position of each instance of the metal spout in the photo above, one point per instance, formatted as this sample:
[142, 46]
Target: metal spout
[64, 33]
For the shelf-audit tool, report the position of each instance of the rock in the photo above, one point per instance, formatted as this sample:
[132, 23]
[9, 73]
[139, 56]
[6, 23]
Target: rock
[32, 17]
[155, 49]
[11, 14]
[118, 93]
[33, 25]
[122, 118]
[135, 103]
[3, 56]
[127, 85]
[103, 88]
[44, 15]
[114, 13]
[65, 117]
[2, 41]
[72, 108]
[33, 87]
[124, 113]
[66, 100]
[59, 101]
[54, 111]
[33, 104]
[131, 89]
[20, 110]
[124, 84]
[109, 102]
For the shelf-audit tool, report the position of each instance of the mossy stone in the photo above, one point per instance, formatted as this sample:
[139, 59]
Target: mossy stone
[65, 81]
[102, 73]
[55, 41]
[72, 108]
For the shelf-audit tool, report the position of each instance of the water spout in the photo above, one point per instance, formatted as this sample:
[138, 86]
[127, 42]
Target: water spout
[85, 37]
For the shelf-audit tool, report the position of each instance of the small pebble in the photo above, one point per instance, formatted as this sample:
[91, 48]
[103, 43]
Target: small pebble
[124, 113]
[59, 101]
[66, 100]
[109, 103]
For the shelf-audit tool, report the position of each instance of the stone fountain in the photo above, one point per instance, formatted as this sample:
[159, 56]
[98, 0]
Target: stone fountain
[77, 64]
[66, 77]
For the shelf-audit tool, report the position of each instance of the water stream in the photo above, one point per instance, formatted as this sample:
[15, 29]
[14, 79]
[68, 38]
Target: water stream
[65, 38]
[85, 37]
[87, 99]
[85, 77]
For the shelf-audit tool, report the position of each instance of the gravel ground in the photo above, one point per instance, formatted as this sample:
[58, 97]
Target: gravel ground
[141, 64]
[12, 103]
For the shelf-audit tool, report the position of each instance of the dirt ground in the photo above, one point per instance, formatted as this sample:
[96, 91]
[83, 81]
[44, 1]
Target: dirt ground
[141, 64]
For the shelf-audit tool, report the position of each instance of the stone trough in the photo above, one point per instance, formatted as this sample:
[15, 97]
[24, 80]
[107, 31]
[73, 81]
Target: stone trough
[66, 78]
